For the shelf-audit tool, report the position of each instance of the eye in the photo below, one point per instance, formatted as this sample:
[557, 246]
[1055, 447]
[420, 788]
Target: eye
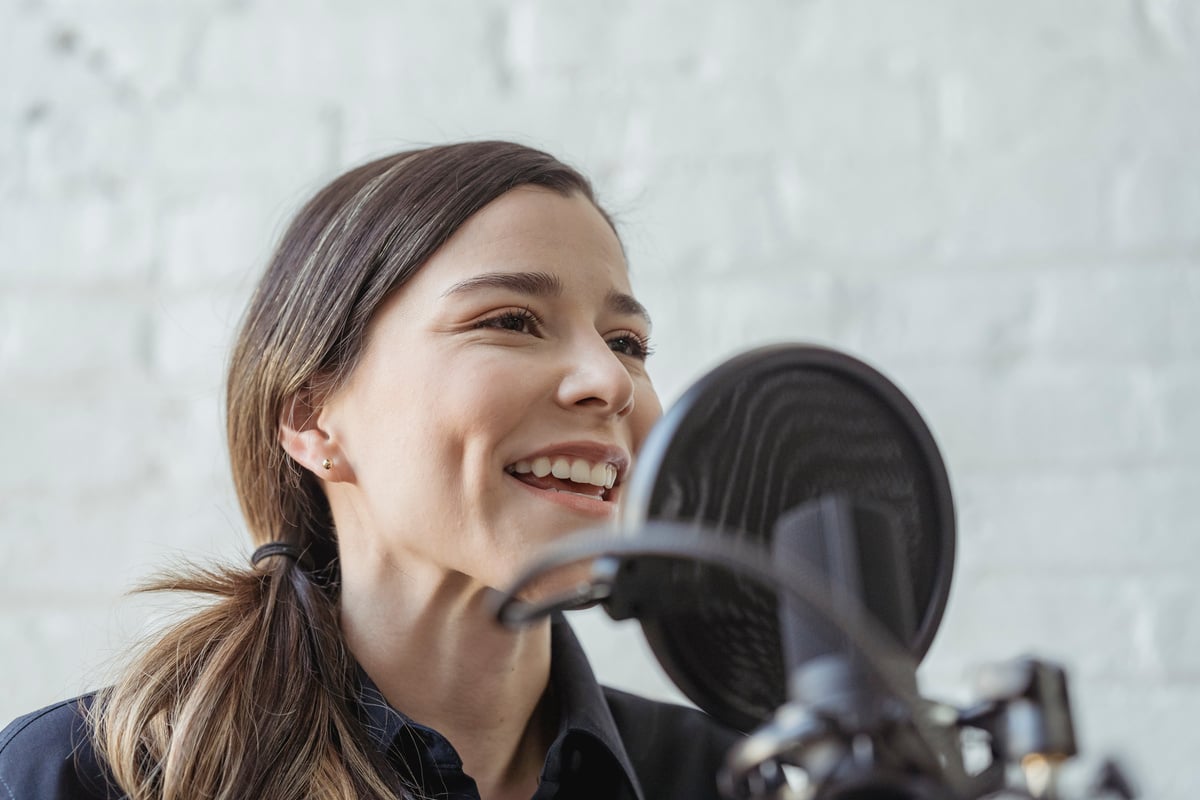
[630, 344]
[517, 320]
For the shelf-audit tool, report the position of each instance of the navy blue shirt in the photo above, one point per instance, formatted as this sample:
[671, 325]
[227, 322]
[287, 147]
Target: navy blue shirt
[610, 745]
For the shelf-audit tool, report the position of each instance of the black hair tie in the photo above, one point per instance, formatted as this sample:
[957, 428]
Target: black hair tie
[275, 549]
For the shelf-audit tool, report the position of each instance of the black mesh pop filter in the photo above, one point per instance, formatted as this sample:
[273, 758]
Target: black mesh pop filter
[761, 434]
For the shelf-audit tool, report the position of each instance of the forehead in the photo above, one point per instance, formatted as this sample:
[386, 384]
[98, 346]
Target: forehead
[531, 229]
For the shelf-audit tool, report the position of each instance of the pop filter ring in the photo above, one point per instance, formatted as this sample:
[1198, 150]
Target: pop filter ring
[663, 459]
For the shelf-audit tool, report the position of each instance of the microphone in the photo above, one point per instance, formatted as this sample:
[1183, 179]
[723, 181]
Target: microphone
[757, 438]
[769, 433]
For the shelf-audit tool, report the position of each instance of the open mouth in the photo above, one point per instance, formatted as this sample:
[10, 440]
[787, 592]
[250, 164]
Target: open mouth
[568, 474]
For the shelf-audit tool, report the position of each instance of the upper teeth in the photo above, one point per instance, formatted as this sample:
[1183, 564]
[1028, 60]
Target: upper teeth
[576, 470]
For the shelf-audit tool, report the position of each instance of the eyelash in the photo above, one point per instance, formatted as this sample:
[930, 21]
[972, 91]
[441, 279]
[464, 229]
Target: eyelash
[641, 348]
[527, 322]
[522, 316]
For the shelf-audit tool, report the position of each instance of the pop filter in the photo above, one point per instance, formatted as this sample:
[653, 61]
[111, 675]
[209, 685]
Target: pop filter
[763, 434]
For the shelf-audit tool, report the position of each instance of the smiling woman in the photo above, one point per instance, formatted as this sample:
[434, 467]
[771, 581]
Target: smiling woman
[506, 348]
[442, 369]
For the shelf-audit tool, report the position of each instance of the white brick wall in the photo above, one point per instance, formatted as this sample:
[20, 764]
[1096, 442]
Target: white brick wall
[997, 202]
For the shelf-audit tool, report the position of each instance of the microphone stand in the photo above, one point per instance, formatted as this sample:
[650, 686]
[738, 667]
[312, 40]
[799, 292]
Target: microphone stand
[854, 726]
[852, 736]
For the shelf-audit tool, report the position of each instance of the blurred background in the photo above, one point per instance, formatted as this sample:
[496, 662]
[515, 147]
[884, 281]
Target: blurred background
[995, 202]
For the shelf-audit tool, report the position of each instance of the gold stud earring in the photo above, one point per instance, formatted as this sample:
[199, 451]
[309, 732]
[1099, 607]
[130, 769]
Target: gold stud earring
[327, 464]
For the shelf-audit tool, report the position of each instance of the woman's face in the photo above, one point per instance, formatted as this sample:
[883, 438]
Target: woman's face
[501, 396]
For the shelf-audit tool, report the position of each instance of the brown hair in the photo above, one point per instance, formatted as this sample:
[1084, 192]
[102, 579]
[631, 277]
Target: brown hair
[254, 695]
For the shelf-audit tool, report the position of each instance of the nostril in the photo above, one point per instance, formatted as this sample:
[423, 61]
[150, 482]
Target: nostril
[627, 409]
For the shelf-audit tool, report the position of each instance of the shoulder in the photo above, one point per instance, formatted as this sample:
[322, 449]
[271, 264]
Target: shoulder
[676, 750]
[47, 755]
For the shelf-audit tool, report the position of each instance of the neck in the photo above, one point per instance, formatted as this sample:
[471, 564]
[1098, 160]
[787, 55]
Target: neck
[428, 642]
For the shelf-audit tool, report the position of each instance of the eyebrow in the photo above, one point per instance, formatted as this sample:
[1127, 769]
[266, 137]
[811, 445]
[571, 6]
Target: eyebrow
[543, 284]
[535, 284]
[626, 304]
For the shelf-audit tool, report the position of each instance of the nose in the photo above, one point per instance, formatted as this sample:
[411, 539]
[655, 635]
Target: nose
[595, 378]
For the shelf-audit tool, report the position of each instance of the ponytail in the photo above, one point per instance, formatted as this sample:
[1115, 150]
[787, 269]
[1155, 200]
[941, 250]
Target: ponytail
[251, 697]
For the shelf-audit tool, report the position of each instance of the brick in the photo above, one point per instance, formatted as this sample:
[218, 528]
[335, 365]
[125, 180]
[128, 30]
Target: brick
[64, 650]
[1046, 201]
[91, 237]
[307, 59]
[985, 110]
[1174, 23]
[796, 308]
[123, 8]
[117, 538]
[932, 31]
[704, 238]
[1156, 196]
[1031, 416]
[1176, 398]
[24, 51]
[873, 209]
[1147, 726]
[699, 324]
[89, 434]
[1127, 627]
[837, 117]
[76, 143]
[67, 337]
[1148, 108]
[1136, 313]
[1169, 627]
[50, 651]
[791, 210]
[191, 338]
[77, 124]
[533, 116]
[11, 163]
[727, 42]
[1132, 126]
[1047, 521]
[189, 450]
[205, 143]
[218, 240]
[1185, 317]
[231, 58]
[851, 115]
[550, 36]
[934, 317]
[140, 49]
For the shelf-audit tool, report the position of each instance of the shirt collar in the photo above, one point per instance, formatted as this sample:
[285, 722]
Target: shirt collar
[583, 708]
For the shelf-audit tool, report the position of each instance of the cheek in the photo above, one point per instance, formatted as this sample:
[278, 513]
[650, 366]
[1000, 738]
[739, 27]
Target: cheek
[474, 418]
[646, 411]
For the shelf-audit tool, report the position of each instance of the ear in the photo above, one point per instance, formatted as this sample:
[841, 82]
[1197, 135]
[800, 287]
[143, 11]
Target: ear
[306, 440]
